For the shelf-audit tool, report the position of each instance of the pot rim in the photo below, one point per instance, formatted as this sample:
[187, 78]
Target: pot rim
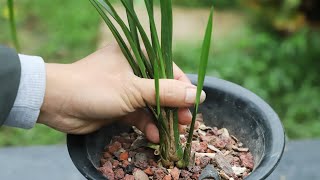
[77, 147]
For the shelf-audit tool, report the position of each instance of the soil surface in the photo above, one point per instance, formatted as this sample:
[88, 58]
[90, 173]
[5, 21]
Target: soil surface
[215, 155]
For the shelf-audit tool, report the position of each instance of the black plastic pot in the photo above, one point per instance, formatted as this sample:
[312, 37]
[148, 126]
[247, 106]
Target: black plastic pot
[228, 105]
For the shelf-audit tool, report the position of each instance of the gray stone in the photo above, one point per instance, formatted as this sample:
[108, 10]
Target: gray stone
[209, 172]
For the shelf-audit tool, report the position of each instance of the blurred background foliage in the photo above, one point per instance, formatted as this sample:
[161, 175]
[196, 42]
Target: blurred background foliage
[274, 52]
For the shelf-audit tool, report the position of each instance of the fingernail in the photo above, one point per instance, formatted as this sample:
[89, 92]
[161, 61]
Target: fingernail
[202, 96]
[191, 94]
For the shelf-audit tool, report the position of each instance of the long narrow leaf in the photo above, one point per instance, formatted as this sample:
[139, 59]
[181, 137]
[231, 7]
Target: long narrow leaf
[13, 24]
[150, 51]
[201, 76]
[125, 50]
[109, 8]
[134, 33]
[132, 24]
[155, 39]
[166, 35]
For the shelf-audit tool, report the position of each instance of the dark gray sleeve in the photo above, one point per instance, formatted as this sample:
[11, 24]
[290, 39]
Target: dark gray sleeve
[10, 71]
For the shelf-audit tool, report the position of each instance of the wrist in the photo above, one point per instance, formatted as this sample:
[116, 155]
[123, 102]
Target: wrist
[55, 84]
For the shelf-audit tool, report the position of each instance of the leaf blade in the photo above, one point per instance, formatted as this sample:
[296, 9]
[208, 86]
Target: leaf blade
[201, 77]
[166, 35]
[109, 8]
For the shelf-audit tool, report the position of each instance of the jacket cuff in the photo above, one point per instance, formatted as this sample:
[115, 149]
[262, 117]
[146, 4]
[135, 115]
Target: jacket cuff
[9, 78]
[26, 108]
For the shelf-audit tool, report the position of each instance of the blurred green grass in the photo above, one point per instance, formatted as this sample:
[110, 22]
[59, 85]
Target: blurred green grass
[60, 31]
[283, 71]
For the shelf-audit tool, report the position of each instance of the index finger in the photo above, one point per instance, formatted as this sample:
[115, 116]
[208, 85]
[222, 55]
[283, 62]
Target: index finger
[179, 74]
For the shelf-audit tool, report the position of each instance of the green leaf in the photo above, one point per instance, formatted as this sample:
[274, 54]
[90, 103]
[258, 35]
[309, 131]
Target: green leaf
[125, 50]
[150, 51]
[13, 24]
[201, 76]
[155, 39]
[166, 35]
[109, 8]
[204, 58]
[132, 24]
[134, 33]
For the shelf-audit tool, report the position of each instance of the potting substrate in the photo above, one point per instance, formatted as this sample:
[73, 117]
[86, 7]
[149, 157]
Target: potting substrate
[217, 155]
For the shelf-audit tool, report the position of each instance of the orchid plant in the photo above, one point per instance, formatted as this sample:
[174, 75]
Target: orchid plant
[156, 64]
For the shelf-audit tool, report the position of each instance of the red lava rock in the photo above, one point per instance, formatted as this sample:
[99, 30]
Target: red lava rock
[128, 177]
[194, 169]
[115, 164]
[219, 143]
[149, 171]
[175, 173]
[229, 143]
[125, 163]
[236, 161]
[108, 164]
[124, 156]
[139, 174]
[195, 176]
[121, 161]
[114, 147]
[185, 174]
[208, 139]
[167, 177]
[107, 172]
[197, 161]
[159, 174]
[204, 161]
[119, 173]
[247, 160]
[204, 146]
[196, 147]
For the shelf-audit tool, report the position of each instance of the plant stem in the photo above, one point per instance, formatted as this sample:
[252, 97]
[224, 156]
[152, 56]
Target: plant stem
[12, 24]
[170, 148]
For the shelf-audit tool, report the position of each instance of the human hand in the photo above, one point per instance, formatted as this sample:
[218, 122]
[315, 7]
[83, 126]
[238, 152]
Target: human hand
[101, 88]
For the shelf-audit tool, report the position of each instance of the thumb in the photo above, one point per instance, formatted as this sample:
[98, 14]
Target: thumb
[173, 93]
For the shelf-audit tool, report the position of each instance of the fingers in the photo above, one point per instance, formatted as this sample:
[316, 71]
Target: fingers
[142, 119]
[173, 93]
[180, 75]
[185, 116]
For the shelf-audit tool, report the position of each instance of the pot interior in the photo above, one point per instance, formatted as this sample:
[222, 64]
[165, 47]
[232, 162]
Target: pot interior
[245, 115]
